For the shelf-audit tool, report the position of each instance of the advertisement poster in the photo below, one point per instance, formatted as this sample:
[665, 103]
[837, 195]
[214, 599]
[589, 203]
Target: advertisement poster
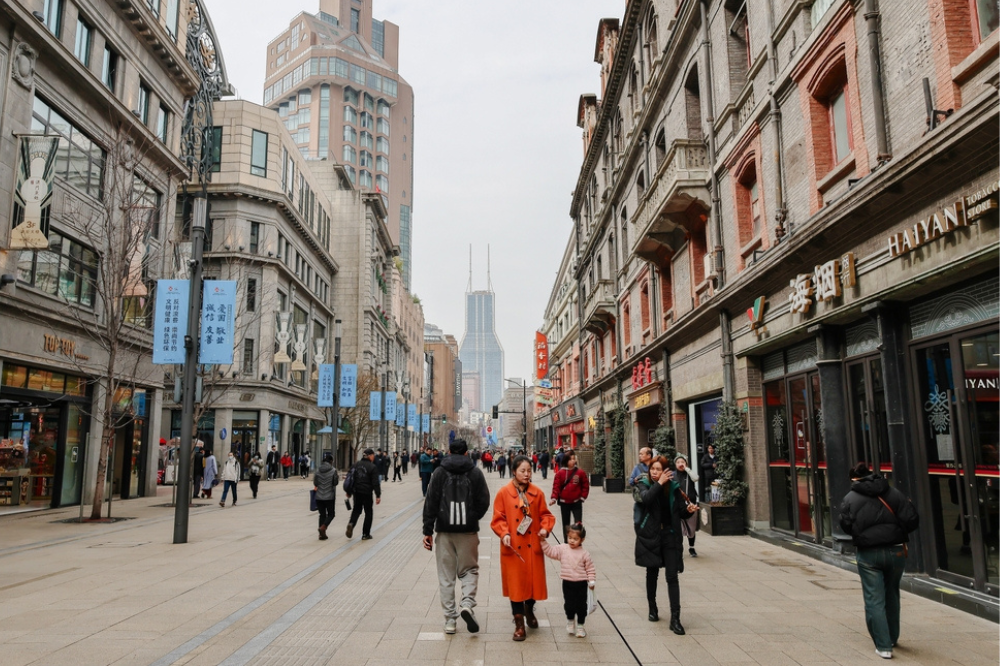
[218, 318]
[324, 396]
[170, 321]
[348, 386]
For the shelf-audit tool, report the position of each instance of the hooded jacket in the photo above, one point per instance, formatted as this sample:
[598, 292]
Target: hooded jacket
[326, 480]
[869, 522]
[479, 493]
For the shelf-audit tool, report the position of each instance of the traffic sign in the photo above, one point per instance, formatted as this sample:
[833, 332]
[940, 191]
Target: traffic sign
[489, 430]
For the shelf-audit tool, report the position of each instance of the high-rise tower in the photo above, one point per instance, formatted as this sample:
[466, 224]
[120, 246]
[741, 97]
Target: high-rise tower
[480, 351]
[334, 79]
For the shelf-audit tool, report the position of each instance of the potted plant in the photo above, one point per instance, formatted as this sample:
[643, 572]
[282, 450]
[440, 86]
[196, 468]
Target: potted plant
[600, 454]
[726, 517]
[615, 481]
[663, 437]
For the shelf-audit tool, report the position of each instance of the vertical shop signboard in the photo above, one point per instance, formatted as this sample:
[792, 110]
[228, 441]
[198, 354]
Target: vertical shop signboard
[400, 415]
[218, 317]
[390, 406]
[425, 425]
[411, 417]
[324, 396]
[170, 321]
[375, 406]
[348, 386]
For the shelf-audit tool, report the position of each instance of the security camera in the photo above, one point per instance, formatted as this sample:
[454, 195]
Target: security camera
[192, 263]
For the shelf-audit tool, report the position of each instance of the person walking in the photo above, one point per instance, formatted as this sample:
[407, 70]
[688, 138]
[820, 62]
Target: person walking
[543, 463]
[501, 464]
[366, 485]
[286, 465]
[559, 459]
[488, 461]
[255, 469]
[879, 519]
[325, 484]
[570, 488]
[687, 480]
[397, 467]
[272, 461]
[520, 518]
[708, 472]
[405, 459]
[304, 463]
[198, 470]
[230, 477]
[426, 469]
[642, 467]
[457, 499]
[658, 538]
[576, 569]
[210, 475]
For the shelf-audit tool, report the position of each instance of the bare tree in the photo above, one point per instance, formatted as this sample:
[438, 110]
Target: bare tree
[359, 416]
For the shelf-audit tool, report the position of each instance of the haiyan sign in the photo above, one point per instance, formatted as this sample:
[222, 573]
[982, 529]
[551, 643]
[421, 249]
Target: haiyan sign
[959, 214]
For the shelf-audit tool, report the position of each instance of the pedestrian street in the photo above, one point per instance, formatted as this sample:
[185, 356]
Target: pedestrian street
[255, 586]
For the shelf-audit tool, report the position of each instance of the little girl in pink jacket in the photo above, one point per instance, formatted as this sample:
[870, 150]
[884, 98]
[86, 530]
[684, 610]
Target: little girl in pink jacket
[576, 569]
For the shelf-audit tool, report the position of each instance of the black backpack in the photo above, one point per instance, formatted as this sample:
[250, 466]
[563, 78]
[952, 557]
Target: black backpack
[455, 510]
[349, 480]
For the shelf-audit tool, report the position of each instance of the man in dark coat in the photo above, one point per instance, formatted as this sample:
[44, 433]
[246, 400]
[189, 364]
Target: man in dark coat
[272, 461]
[879, 519]
[325, 485]
[198, 469]
[543, 463]
[366, 485]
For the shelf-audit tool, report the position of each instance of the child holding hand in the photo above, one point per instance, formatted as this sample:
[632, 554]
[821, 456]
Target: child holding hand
[576, 569]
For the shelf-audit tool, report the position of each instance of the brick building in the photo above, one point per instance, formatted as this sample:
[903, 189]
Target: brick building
[768, 213]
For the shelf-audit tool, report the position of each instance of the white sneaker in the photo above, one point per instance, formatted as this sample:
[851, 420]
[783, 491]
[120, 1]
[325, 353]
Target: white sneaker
[885, 654]
[581, 632]
[571, 626]
[450, 625]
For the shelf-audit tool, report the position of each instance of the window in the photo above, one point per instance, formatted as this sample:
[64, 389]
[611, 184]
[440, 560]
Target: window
[985, 18]
[154, 6]
[84, 37]
[248, 357]
[254, 237]
[358, 75]
[355, 20]
[66, 269]
[382, 145]
[378, 37]
[305, 97]
[350, 114]
[365, 179]
[350, 154]
[351, 96]
[143, 108]
[258, 154]
[215, 149]
[374, 81]
[366, 159]
[748, 203]
[146, 206]
[383, 108]
[79, 160]
[52, 11]
[369, 102]
[324, 120]
[839, 124]
[339, 67]
[366, 120]
[692, 105]
[382, 184]
[350, 134]
[737, 45]
[366, 140]
[644, 306]
[351, 173]
[383, 126]
[251, 295]
[163, 124]
[382, 164]
[109, 72]
[173, 10]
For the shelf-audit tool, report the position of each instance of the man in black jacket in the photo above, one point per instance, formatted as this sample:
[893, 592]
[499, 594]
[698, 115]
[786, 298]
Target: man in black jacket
[457, 499]
[325, 485]
[272, 461]
[366, 484]
[879, 518]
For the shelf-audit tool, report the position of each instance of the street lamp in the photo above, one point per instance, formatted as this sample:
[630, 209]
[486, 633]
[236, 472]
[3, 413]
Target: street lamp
[524, 412]
[383, 426]
[337, 334]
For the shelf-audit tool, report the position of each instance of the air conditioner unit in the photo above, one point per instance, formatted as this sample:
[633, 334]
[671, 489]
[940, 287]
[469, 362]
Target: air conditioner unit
[708, 265]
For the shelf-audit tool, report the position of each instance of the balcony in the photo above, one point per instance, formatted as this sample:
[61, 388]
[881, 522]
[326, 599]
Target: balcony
[677, 200]
[599, 311]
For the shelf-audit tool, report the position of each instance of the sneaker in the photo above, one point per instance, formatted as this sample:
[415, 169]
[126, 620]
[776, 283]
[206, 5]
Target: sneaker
[222, 504]
[350, 530]
[693, 552]
[581, 632]
[571, 627]
[470, 620]
[885, 654]
[450, 625]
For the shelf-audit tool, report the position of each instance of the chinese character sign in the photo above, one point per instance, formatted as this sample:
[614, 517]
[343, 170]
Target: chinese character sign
[411, 417]
[541, 355]
[324, 396]
[802, 293]
[218, 317]
[425, 424]
[826, 280]
[375, 406]
[400, 416]
[170, 321]
[390, 406]
[348, 386]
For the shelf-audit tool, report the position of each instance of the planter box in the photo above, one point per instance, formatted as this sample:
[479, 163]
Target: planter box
[596, 480]
[719, 520]
[614, 485]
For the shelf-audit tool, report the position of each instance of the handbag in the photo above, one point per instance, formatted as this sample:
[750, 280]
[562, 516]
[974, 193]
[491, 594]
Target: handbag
[906, 547]
[312, 501]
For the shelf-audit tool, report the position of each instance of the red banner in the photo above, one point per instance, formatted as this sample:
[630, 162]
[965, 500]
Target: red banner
[541, 355]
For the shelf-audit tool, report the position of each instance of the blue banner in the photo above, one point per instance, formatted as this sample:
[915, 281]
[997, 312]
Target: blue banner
[375, 406]
[324, 396]
[348, 386]
[400, 415]
[425, 425]
[411, 418]
[218, 318]
[390, 406]
[170, 321]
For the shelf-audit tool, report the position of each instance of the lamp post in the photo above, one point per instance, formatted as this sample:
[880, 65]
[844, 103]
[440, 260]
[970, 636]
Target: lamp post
[405, 390]
[383, 428]
[524, 412]
[337, 332]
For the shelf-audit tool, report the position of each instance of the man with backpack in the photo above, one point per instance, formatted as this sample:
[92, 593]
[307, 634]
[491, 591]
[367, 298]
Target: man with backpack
[457, 499]
[426, 469]
[362, 482]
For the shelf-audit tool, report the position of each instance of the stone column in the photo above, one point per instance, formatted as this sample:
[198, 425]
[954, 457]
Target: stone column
[835, 426]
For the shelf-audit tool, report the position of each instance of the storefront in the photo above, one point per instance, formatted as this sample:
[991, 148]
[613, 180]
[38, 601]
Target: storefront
[569, 423]
[43, 432]
[701, 427]
[644, 404]
[244, 439]
[132, 444]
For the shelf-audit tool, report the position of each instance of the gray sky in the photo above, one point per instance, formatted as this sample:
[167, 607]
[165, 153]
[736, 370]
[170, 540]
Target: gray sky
[496, 147]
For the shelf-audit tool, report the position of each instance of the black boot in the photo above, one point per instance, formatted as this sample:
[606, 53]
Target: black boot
[675, 624]
[654, 613]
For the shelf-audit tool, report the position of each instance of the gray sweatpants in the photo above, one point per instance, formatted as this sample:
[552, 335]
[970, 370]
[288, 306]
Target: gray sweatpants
[457, 557]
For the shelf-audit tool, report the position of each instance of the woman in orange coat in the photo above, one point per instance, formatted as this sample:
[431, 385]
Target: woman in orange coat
[520, 517]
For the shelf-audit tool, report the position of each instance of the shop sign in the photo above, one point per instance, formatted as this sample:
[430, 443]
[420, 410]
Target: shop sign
[55, 345]
[823, 284]
[756, 315]
[297, 406]
[642, 374]
[959, 214]
[541, 355]
[646, 399]
[33, 191]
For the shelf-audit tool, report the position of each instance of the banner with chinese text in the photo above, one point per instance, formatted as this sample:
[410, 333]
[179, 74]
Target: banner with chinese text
[170, 321]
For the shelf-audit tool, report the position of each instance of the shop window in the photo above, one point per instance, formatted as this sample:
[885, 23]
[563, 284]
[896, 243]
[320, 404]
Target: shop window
[778, 455]
[985, 18]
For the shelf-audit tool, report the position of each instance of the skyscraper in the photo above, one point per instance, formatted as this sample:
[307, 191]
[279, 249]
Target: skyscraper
[480, 351]
[334, 79]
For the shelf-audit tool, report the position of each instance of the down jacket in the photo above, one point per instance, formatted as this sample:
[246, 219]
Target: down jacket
[325, 481]
[659, 525]
[869, 522]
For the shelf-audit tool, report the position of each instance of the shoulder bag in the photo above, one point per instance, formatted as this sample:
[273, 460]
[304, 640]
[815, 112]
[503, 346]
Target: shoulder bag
[906, 548]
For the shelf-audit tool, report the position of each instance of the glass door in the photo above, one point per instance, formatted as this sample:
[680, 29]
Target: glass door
[869, 429]
[959, 426]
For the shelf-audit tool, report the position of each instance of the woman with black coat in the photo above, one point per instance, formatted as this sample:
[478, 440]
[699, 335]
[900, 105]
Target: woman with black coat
[659, 540]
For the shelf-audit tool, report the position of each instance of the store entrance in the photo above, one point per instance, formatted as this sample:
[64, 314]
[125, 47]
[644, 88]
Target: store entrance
[867, 409]
[29, 443]
[127, 456]
[958, 379]
[244, 442]
[702, 417]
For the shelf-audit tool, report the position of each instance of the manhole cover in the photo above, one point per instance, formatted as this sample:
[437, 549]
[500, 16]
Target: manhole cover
[98, 521]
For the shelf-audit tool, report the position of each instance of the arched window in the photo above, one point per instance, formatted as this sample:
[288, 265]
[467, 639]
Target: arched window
[692, 105]
[652, 45]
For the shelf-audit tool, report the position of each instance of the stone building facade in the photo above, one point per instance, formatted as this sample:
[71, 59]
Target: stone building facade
[767, 213]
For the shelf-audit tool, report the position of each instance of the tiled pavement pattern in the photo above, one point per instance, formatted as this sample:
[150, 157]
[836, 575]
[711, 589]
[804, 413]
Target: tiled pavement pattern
[255, 586]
